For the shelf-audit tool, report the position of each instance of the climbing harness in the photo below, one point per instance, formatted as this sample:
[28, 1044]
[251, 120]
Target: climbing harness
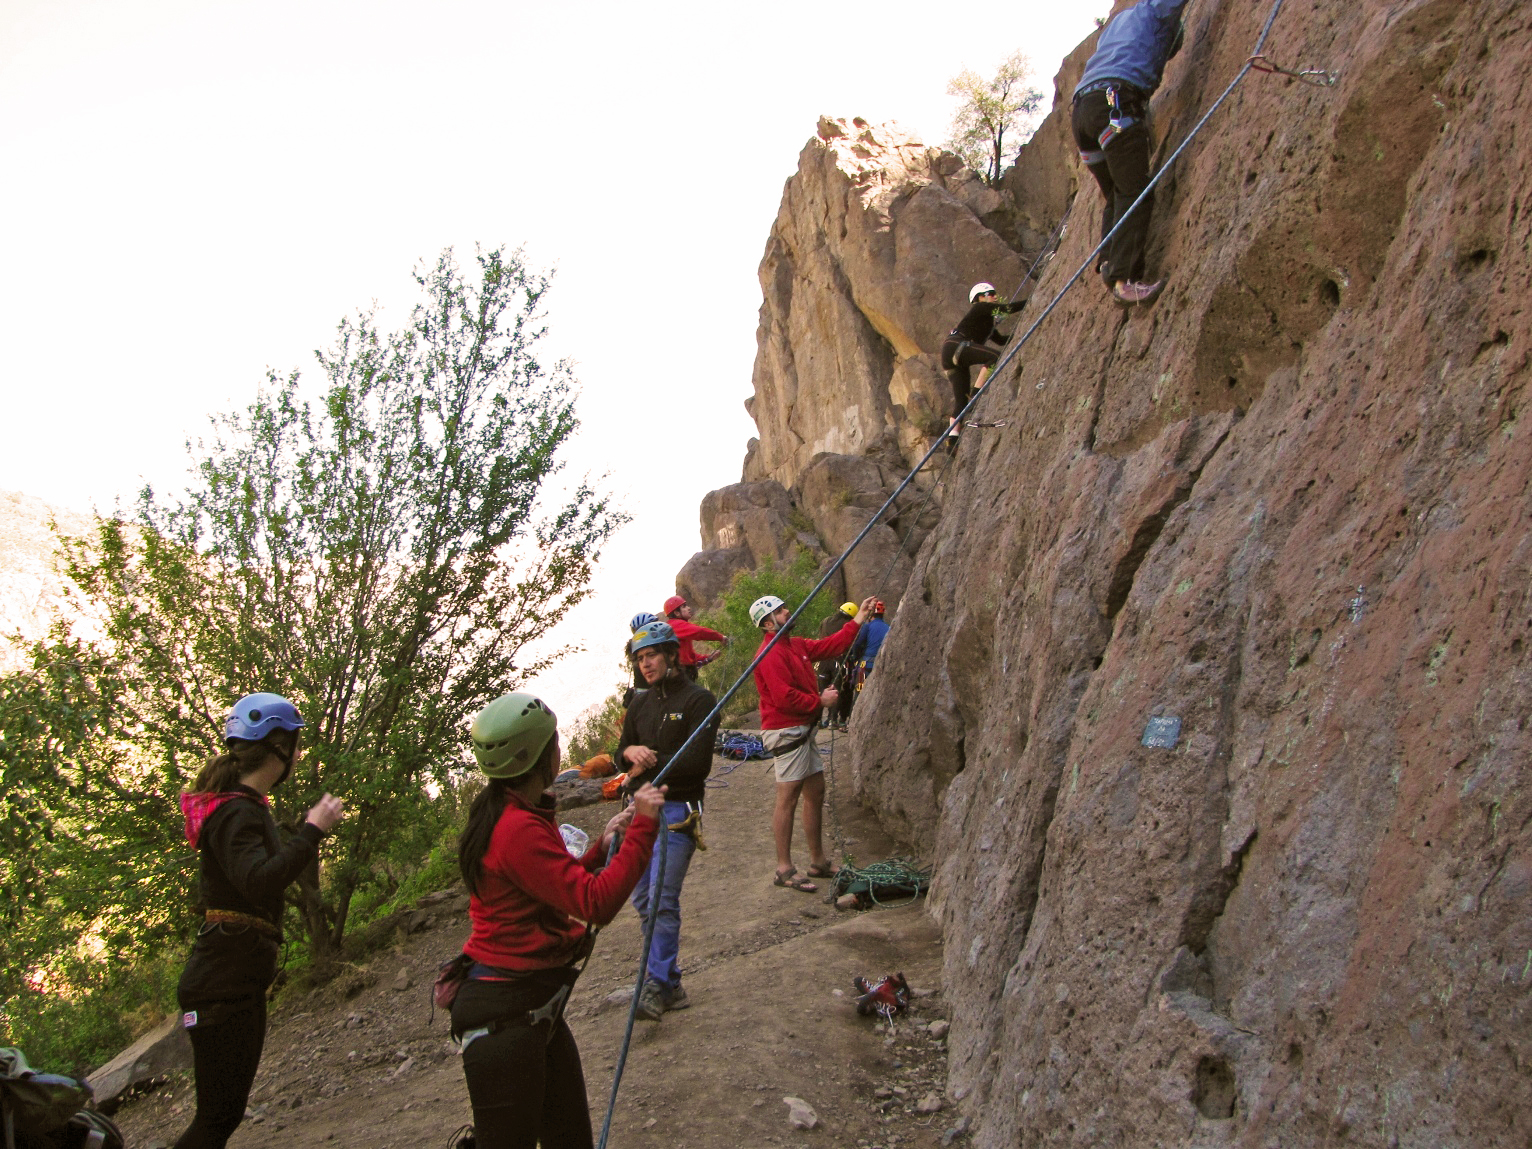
[877, 518]
[1314, 76]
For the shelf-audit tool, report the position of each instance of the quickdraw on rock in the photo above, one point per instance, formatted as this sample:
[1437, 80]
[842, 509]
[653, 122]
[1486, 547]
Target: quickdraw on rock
[1315, 76]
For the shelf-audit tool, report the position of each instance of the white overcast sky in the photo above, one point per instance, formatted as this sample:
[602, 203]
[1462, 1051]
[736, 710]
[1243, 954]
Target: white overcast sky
[195, 191]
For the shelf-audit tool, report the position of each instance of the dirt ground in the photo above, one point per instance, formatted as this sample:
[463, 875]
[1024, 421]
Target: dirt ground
[769, 974]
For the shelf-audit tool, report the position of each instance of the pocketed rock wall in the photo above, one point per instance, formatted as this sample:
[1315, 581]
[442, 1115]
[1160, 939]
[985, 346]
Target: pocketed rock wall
[867, 267]
[1287, 506]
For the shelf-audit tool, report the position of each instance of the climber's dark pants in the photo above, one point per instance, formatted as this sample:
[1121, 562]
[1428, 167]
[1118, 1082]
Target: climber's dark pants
[958, 361]
[225, 1055]
[1121, 168]
[525, 1084]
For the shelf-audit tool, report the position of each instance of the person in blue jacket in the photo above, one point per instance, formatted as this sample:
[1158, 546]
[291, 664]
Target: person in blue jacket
[864, 651]
[1110, 117]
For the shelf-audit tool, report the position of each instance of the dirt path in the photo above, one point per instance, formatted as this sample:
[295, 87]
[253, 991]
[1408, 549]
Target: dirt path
[768, 971]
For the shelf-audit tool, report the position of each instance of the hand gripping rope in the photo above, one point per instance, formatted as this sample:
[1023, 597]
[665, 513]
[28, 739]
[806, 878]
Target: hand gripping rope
[718, 708]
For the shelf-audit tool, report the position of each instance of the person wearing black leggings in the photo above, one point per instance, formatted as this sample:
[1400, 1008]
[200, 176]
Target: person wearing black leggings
[243, 869]
[964, 348]
[528, 900]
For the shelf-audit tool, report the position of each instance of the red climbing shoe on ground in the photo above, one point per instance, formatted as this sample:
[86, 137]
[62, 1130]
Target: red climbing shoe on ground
[1127, 292]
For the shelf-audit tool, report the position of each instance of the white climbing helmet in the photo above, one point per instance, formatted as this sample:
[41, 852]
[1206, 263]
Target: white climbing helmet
[979, 289]
[763, 606]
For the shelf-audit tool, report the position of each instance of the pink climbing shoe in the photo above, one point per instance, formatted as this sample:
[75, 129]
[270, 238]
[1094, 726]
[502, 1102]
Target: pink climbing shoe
[1128, 292]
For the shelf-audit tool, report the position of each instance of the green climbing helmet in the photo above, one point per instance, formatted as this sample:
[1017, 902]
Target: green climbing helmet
[510, 734]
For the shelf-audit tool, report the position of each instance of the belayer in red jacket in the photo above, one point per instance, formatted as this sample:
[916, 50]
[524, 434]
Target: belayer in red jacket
[790, 704]
[678, 613]
[528, 900]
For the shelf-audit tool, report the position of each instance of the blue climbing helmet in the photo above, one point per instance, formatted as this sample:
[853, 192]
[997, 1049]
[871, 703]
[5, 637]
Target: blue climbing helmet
[256, 715]
[652, 634]
[642, 619]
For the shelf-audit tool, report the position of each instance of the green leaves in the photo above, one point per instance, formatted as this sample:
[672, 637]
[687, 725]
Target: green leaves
[992, 112]
[380, 549]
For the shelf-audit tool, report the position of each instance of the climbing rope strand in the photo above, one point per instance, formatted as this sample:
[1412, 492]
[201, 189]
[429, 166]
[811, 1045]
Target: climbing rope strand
[877, 517]
[1045, 251]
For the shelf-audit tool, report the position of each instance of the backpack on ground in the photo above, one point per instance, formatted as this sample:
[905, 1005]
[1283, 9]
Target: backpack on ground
[49, 1110]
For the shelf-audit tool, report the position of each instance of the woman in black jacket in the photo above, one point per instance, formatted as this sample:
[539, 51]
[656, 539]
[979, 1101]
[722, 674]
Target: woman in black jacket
[244, 868]
[964, 348]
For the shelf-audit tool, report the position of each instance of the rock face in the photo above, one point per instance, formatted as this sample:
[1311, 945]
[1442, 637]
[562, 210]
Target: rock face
[1287, 507]
[867, 267]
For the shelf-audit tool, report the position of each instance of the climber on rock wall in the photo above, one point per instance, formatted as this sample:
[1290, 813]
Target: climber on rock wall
[1111, 125]
[964, 347]
[678, 613]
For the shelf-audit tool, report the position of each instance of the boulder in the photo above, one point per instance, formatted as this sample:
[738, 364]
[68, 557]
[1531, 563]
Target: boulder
[162, 1049]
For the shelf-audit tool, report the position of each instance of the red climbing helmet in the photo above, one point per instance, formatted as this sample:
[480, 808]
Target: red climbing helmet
[672, 604]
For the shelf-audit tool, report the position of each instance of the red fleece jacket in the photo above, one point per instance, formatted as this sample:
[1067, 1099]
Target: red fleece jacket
[533, 896]
[785, 677]
[689, 632]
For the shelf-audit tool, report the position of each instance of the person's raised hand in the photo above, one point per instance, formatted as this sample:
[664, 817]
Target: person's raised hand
[649, 800]
[617, 824]
[829, 696]
[327, 813]
[639, 759]
[864, 612]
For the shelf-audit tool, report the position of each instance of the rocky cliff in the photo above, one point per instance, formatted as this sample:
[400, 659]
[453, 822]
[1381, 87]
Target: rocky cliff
[1208, 693]
[867, 266]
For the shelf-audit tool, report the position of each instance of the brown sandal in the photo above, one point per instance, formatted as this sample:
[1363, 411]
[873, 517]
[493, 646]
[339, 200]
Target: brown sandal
[792, 880]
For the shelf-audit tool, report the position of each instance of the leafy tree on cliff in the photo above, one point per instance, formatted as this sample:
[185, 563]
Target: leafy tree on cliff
[992, 112]
[383, 554]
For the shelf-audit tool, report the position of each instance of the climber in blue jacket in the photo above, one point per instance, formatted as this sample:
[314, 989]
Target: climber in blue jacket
[1111, 127]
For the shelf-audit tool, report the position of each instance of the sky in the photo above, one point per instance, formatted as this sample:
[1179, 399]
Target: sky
[199, 190]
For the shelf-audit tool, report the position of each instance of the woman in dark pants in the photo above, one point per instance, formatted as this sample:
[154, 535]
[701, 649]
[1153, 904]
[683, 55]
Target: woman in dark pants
[244, 868]
[528, 898]
[965, 348]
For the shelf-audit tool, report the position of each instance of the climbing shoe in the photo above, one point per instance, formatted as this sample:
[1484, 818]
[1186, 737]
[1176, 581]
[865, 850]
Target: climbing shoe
[651, 1002]
[677, 999]
[1128, 292]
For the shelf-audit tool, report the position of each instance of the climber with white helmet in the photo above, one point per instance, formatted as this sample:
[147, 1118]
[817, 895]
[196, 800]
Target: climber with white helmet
[1110, 119]
[964, 348]
[243, 868]
[790, 706]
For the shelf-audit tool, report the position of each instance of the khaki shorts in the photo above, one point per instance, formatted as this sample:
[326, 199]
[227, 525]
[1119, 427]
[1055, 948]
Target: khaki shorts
[797, 764]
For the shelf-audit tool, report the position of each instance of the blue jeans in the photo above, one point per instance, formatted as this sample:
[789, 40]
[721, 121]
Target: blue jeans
[664, 964]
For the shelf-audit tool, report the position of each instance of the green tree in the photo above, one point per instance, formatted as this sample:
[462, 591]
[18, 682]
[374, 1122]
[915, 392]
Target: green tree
[382, 553]
[992, 111]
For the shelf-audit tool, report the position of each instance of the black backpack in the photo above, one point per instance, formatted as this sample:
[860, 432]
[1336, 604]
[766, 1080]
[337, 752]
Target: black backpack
[49, 1110]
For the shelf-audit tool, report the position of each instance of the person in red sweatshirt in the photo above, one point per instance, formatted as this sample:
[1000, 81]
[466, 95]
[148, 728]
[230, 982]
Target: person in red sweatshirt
[678, 613]
[527, 899]
[790, 704]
